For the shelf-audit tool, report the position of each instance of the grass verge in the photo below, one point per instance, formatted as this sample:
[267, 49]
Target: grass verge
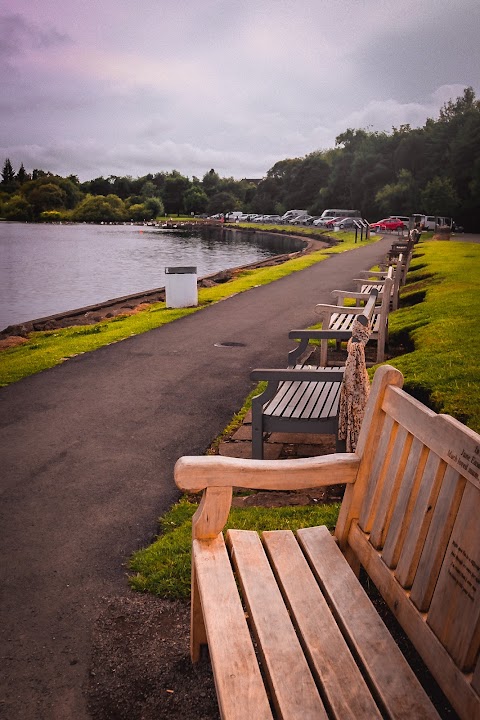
[164, 567]
[437, 326]
[47, 349]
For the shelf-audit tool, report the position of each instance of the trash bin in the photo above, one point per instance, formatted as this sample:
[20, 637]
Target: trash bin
[181, 287]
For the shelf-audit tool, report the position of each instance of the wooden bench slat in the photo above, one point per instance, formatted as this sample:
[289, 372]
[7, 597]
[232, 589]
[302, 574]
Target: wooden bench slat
[390, 675]
[436, 541]
[293, 689]
[392, 474]
[346, 693]
[235, 667]
[417, 529]
[381, 459]
[402, 512]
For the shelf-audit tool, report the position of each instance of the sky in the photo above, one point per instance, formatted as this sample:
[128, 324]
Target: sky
[127, 88]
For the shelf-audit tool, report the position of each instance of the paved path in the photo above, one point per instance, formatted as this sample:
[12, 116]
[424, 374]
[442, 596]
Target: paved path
[87, 454]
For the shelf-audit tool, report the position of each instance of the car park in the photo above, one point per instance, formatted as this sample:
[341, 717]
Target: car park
[388, 224]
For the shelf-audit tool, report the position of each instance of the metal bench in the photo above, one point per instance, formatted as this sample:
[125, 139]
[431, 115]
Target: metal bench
[302, 398]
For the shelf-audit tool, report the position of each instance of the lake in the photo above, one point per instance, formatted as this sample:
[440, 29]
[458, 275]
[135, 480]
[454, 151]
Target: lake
[48, 269]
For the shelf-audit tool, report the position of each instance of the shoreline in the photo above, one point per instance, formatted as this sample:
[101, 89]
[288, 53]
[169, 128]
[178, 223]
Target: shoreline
[130, 304]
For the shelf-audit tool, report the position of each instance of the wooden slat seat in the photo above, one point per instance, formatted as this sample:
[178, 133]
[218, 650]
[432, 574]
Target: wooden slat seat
[290, 630]
[340, 317]
[301, 398]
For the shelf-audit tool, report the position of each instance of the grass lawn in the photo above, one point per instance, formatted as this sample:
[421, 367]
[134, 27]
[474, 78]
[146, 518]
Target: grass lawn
[438, 325]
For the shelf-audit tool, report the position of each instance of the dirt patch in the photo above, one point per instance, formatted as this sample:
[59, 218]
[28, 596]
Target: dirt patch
[12, 341]
[141, 668]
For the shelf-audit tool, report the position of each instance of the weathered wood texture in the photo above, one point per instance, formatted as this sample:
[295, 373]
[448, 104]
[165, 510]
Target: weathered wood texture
[410, 517]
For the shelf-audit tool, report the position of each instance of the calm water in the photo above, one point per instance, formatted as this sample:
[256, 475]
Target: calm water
[47, 269]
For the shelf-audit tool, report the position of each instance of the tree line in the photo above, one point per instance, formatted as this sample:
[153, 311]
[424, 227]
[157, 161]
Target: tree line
[434, 170]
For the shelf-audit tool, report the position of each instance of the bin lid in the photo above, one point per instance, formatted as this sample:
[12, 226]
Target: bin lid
[184, 270]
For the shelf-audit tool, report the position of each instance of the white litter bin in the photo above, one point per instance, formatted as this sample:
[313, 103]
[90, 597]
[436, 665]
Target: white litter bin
[181, 287]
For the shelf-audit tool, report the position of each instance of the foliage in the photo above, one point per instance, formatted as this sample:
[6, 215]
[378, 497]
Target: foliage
[18, 208]
[164, 567]
[434, 169]
[95, 208]
[399, 197]
[440, 196]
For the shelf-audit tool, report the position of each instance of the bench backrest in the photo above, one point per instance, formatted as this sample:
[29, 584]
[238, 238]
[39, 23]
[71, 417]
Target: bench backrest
[412, 519]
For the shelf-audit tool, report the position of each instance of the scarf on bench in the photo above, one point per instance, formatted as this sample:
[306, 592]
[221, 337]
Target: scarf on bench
[355, 387]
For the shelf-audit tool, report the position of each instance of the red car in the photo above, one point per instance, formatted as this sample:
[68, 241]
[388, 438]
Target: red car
[388, 224]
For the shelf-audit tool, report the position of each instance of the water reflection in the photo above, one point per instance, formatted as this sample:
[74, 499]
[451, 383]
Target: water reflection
[46, 269]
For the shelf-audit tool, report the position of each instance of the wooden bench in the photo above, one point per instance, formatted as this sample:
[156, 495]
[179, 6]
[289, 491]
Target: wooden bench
[341, 317]
[397, 268]
[302, 398]
[289, 628]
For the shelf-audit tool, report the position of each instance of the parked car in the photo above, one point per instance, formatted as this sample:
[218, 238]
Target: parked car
[388, 224]
[327, 221]
[403, 218]
[291, 214]
[301, 220]
[345, 223]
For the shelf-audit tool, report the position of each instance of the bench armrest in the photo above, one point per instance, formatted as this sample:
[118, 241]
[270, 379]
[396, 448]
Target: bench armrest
[217, 476]
[194, 474]
[321, 309]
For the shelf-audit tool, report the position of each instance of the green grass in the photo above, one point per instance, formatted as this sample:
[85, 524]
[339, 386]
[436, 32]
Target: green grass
[47, 349]
[163, 568]
[439, 326]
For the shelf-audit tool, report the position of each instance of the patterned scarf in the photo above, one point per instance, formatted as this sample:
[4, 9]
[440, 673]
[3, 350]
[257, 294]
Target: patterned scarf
[355, 387]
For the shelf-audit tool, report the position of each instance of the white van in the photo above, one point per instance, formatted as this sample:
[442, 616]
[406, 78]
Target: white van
[291, 214]
[333, 213]
[432, 222]
[233, 216]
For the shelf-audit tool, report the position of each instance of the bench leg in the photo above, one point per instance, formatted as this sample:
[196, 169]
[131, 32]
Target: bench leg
[257, 435]
[198, 635]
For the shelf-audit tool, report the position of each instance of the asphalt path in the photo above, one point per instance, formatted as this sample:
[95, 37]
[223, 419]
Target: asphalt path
[88, 450]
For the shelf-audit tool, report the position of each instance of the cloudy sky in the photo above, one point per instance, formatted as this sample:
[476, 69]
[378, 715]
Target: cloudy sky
[125, 88]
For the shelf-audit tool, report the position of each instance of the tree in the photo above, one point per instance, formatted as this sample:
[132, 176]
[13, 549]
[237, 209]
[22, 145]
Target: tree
[8, 175]
[223, 202]
[18, 208]
[22, 176]
[211, 182]
[95, 208]
[47, 196]
[400, 197]
[195, 200]
[153, 208]
[439, 197]
[173, 192]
